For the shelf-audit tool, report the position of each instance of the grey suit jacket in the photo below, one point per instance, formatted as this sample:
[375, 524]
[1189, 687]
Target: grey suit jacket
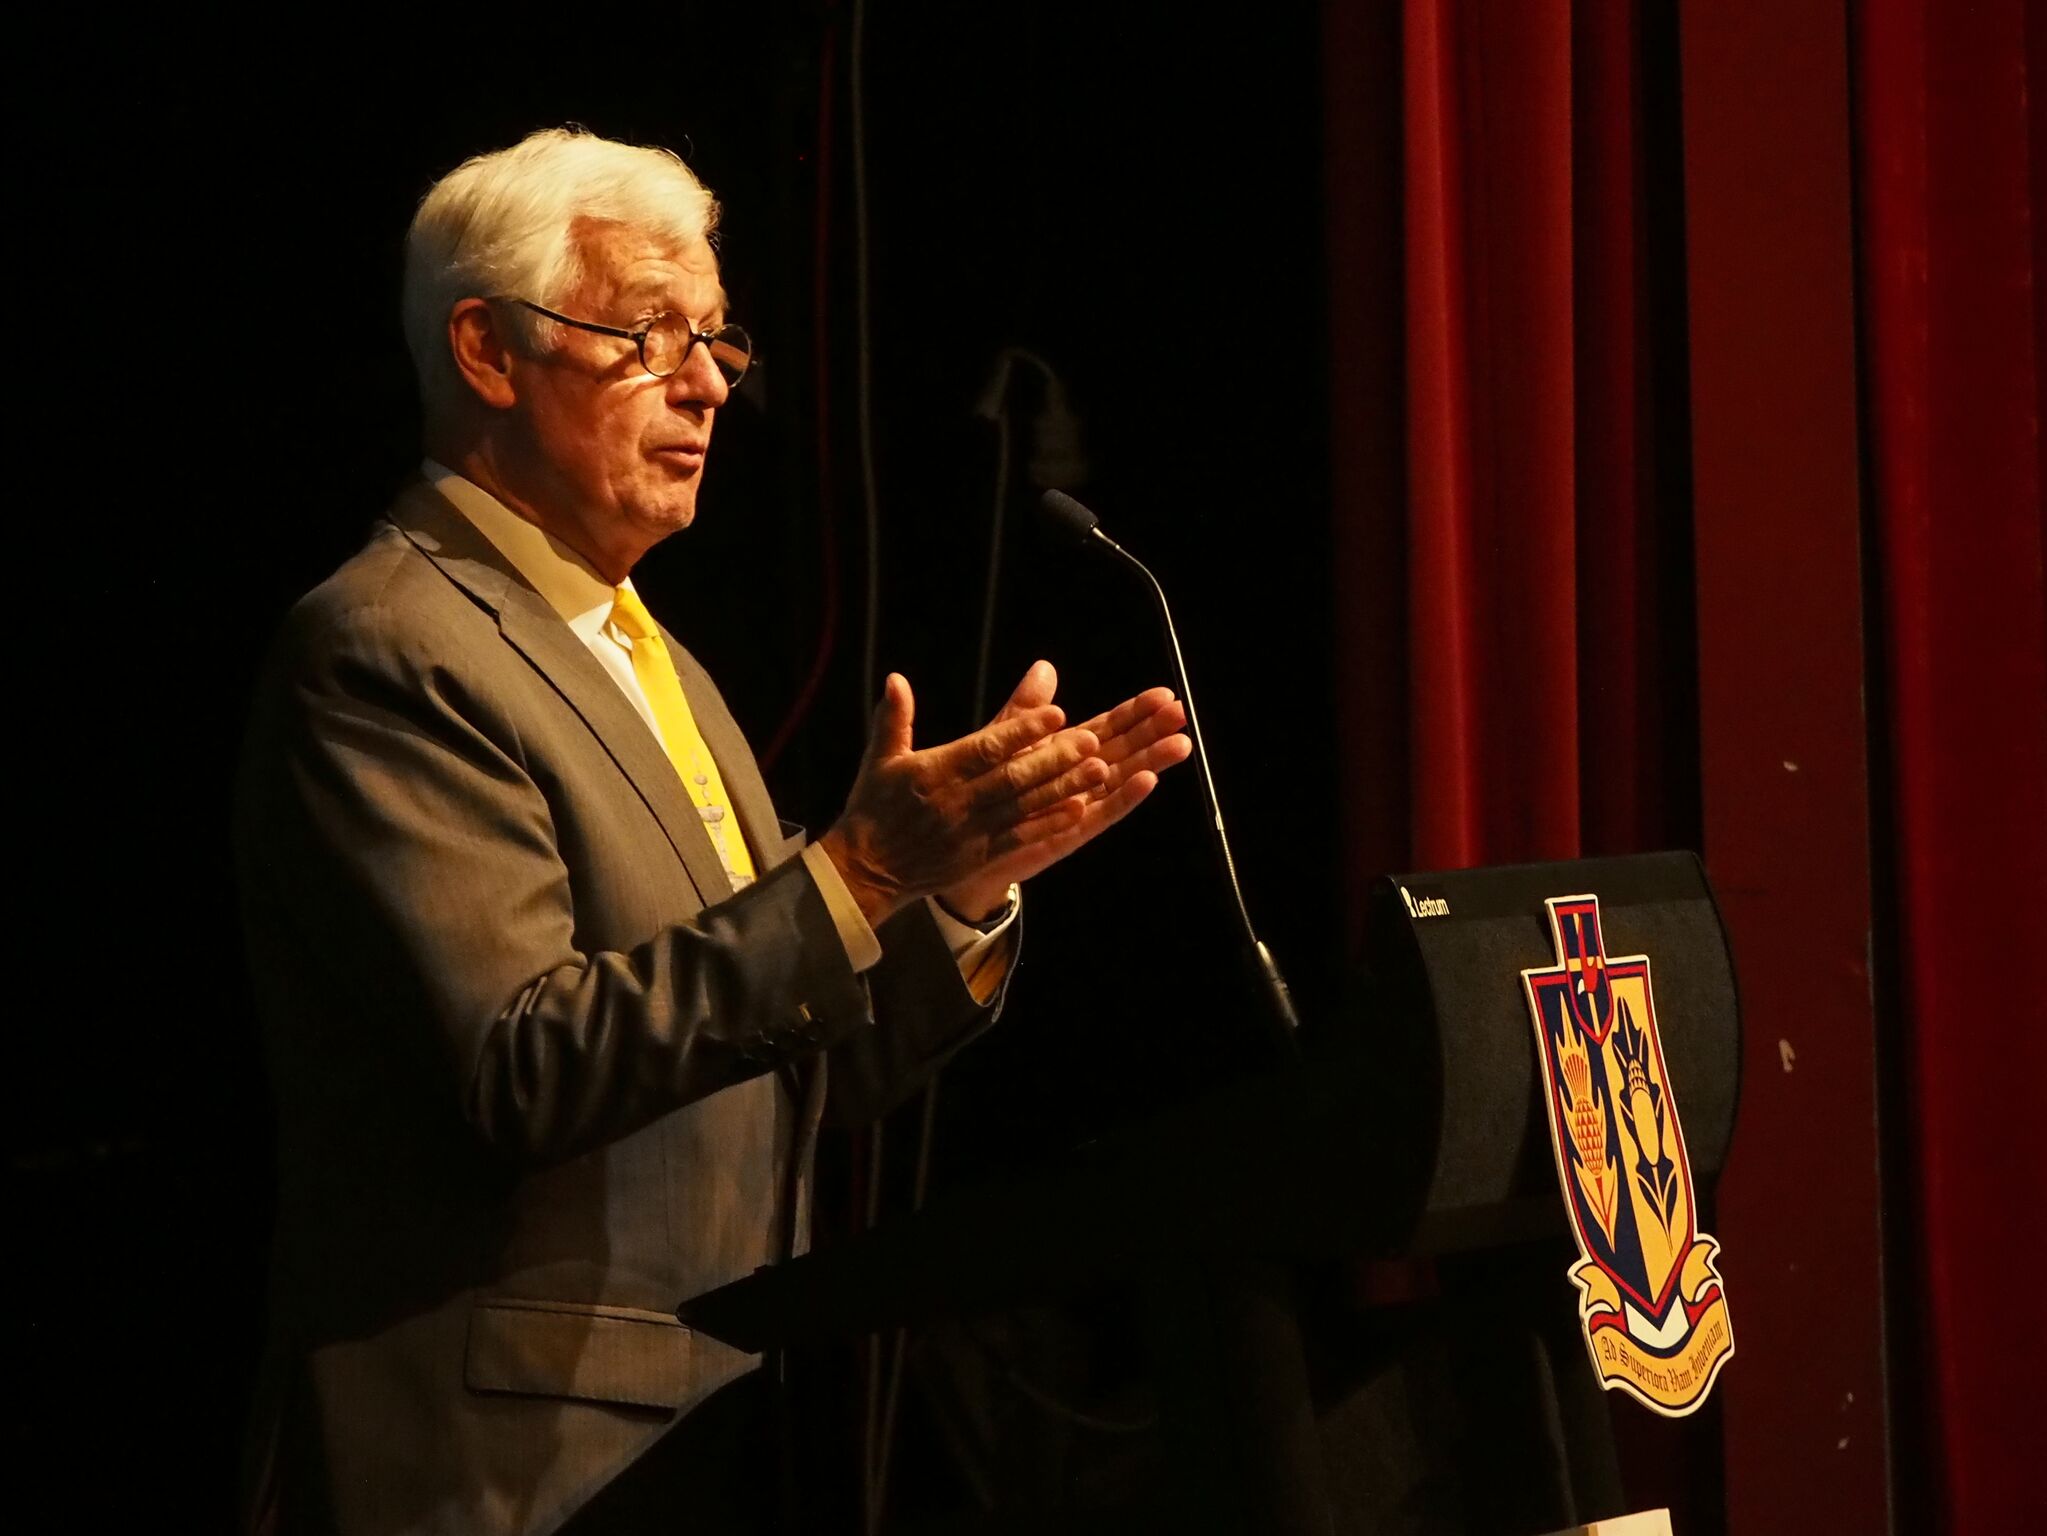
[539, 1073]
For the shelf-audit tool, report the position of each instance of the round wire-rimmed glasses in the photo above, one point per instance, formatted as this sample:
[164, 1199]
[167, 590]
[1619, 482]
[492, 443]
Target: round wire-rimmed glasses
[664, 342]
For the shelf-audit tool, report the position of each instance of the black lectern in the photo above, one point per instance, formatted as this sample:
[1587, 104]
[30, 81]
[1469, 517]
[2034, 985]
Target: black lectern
[1410, 1130]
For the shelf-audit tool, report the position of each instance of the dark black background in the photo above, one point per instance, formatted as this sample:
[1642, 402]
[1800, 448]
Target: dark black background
[217, 402]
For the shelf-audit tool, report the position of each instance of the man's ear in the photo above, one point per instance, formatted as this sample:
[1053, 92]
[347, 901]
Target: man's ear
[483, 353]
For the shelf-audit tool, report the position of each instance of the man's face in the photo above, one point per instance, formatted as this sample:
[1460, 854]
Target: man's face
[619, 453]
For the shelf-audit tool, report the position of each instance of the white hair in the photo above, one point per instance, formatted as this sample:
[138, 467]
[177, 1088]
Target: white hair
[499, 225]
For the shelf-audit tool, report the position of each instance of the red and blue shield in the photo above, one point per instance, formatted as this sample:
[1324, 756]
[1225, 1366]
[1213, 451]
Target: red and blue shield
[1650, 1298]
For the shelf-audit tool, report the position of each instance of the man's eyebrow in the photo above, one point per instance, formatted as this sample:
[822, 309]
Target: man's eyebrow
[646, 290]
[654, 291]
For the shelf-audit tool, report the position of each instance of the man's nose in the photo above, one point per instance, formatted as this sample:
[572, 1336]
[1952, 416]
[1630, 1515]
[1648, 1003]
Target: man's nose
[698, 381]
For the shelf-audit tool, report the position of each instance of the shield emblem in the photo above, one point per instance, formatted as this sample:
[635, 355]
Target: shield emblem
[1650, 1298]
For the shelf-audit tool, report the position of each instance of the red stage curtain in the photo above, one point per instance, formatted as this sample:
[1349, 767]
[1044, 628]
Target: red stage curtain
[1492, 511]
[1948, 101]
[1516, 674]
[1532, 628]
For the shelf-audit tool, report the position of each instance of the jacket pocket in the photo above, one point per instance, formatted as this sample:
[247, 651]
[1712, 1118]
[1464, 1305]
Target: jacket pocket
[566, 1349]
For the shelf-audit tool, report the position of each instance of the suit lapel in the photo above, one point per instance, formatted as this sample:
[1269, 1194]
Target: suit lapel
[537, 632]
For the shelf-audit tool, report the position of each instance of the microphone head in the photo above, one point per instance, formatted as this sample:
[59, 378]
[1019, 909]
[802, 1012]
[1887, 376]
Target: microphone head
[1067, 516]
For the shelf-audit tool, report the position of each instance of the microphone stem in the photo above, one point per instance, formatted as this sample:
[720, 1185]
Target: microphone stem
[1273, 983]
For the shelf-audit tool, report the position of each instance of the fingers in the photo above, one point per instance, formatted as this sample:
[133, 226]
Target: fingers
[1062, 765]
[1136, 723]
[1130, 727]
[1086, 778]
[1045, 839]
[1010, 799]
[1042, 839]
[1146, 733]
[1112, 722]
[1154, 758]
[1100, 815]
[1081, 761]
[893, 718]
[1134, 792]
[995, 744]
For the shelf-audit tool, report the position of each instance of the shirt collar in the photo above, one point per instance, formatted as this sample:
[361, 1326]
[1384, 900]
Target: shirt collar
[551, 568]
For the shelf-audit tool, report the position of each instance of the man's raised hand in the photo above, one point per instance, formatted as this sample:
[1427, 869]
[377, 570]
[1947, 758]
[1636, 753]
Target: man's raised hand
[1136, 742]
[919, 823]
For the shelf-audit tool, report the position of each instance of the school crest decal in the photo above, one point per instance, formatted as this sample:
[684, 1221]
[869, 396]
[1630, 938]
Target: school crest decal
[1654, 1312]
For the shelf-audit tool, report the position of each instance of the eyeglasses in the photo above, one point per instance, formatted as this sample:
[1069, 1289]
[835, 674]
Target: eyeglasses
[664, 343]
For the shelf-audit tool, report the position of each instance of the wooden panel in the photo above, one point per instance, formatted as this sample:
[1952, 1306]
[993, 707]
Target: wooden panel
[1784, 750]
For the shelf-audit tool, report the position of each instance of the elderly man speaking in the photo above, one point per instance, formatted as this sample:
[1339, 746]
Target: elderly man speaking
[553, 1005]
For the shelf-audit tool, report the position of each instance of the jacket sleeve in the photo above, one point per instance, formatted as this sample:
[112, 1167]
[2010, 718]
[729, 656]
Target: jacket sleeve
[390, 826]
[925, 1013]
[923, 1010]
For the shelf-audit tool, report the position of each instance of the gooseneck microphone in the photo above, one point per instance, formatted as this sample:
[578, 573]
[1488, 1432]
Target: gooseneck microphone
[1072, 519]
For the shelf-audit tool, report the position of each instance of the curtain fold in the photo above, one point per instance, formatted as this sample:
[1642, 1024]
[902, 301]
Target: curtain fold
[1546, 643]
[1492, 515]
[1951, 317]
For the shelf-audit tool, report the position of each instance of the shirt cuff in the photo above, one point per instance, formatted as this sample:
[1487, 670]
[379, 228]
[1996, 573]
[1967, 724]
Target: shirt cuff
[863, 949]
[970, 941]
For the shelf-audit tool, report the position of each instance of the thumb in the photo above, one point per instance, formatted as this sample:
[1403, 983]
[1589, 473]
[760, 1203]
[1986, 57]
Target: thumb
[892, 719]
[1038, 685]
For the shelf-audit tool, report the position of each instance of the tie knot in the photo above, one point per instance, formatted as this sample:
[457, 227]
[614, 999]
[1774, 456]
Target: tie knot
[630, 615]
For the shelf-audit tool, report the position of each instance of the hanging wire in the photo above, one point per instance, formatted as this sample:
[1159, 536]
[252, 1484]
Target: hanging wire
[874, 1452]
[988, 600]
[864, 354]
[821, 392]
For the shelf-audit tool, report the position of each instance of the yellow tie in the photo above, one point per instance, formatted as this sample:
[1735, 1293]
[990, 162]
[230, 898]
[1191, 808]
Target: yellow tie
[679, 734]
